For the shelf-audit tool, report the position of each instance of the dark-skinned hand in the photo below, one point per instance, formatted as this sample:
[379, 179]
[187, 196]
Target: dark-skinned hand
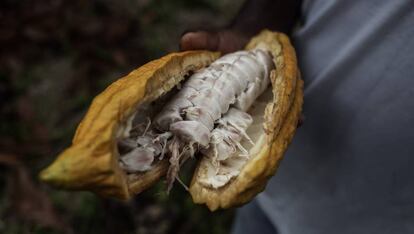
[225, 41]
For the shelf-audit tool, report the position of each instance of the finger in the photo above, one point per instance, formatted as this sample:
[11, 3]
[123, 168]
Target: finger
[230, 41]
[223, 41]
[199, 41]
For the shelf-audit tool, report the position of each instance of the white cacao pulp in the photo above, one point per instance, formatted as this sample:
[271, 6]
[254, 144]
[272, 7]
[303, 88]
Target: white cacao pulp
[208, 115]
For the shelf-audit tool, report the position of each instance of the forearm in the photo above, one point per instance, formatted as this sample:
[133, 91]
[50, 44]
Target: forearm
[279, 15]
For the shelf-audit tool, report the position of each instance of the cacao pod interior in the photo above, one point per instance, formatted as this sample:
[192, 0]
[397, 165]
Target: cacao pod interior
[146, 112]
[91, 163]
[280, 117]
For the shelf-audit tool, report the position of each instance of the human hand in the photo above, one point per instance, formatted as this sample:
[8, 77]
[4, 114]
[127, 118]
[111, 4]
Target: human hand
[225, 41]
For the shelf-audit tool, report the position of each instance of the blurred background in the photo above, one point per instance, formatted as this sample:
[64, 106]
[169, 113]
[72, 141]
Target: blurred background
[55, 56]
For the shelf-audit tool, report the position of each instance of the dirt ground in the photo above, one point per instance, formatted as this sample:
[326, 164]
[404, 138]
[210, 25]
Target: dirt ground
[55, 56]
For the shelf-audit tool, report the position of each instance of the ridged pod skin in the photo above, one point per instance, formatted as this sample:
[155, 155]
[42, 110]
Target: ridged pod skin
[280, 121]
[91, 163]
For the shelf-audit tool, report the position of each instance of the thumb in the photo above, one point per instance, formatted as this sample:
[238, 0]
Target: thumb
[223, 41]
